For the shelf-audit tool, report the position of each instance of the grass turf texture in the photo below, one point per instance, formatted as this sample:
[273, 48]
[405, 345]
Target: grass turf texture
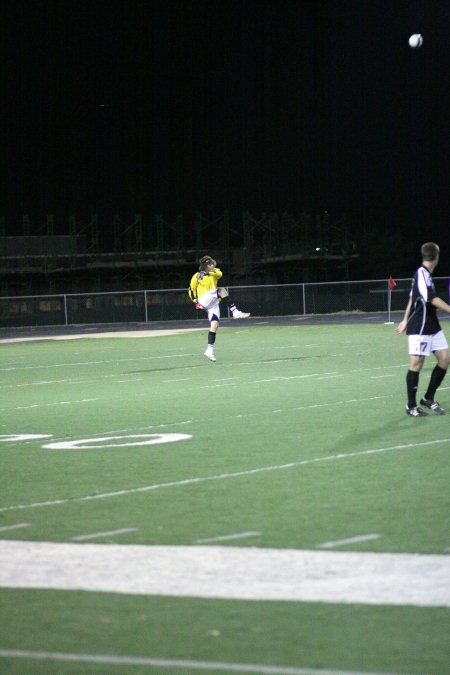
[276, 396]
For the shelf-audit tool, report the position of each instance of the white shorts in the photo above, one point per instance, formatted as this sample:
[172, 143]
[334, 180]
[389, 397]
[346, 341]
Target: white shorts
[423, 345]
[210, 303]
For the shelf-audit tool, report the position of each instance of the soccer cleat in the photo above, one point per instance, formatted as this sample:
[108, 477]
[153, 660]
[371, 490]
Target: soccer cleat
[432, 405]
[415, 411]
[237, 314]
[209, 353]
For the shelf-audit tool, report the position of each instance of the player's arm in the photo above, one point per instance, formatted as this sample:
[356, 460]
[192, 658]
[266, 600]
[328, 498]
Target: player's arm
[216, 273]
[402, 325]
[440, 304]
[193, 288]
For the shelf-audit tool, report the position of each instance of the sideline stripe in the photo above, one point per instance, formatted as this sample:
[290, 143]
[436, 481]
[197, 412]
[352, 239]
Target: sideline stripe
[229, 572]
[96, 535]
[350, 540]
[222, 476]
[173, 663]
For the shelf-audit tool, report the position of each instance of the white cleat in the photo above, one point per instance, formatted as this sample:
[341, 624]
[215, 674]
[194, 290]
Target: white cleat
[209, 353]
[237, 314]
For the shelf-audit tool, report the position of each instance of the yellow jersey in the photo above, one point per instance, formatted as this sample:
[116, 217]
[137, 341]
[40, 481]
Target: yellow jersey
[202, 282]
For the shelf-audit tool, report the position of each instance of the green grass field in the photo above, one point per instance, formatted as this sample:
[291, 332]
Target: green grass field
[295, 440]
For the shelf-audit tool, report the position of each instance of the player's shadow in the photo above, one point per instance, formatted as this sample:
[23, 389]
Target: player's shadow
[378, 438]
[167, 369]
[296, 358]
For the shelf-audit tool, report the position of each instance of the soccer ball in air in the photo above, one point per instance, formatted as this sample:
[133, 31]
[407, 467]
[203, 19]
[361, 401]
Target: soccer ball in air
[415, 41]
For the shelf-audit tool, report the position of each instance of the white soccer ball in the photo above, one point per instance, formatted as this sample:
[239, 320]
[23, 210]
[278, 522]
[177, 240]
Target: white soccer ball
[415, 41]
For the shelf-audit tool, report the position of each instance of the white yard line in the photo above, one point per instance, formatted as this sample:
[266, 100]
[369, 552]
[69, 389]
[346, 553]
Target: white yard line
[76, 364]
[171, 664]
[18, 526]
[227, 537]
[49, 405]
[229, 572]
[97, 535]
[350, 540]
[381, 377]
[223, 476]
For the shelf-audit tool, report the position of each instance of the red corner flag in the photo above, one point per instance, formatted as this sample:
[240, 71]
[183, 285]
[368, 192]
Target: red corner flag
[392, 283]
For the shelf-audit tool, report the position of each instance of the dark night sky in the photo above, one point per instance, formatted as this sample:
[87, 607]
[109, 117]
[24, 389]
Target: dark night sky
[268, 105]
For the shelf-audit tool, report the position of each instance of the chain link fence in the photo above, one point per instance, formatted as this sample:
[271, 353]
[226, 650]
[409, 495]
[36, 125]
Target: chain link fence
[175, 305]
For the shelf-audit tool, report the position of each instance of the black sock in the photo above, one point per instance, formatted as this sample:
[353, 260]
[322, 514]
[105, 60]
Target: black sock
[436, 378]
[211, 338]
[229, 303]
[412, 382]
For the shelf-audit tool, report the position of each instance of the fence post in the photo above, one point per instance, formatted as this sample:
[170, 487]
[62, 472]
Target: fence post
[304, 299]
[65, 309]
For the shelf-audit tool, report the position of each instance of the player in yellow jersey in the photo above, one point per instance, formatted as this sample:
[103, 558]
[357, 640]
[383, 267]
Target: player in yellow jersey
[203, 290]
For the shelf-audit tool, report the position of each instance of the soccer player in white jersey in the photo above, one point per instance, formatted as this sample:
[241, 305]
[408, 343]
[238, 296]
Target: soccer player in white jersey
[424, 334]
[204, 293]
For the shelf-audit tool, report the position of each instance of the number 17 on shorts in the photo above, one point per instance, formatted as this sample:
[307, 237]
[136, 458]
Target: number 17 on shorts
[423, 345]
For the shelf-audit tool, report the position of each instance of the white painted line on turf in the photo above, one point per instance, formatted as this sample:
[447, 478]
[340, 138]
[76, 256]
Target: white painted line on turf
[226, 537]
[222, 476]
[22, 438]
[47, 405]
[229, 572]
[184, 664]
[328, 377]
[350, 540]
[136, 379]
[97, 535]
[380, 377]
[281, 378]
[18, 526]
[107, 441]
[96, 363]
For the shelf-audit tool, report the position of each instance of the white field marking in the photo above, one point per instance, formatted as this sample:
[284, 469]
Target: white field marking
[81, 380]
[350, 540]
[217, 386]
[72, 381]
[329, 377]
[229, 572]
[84, 443]
[95, 363]
[180, 379]
[18, 526]
[97, 535]
[226, 537]
[20, 438]
[184, 664]
[379, 377]
[223, 476]
[27, 438]
[48, 405]
[282, 378]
